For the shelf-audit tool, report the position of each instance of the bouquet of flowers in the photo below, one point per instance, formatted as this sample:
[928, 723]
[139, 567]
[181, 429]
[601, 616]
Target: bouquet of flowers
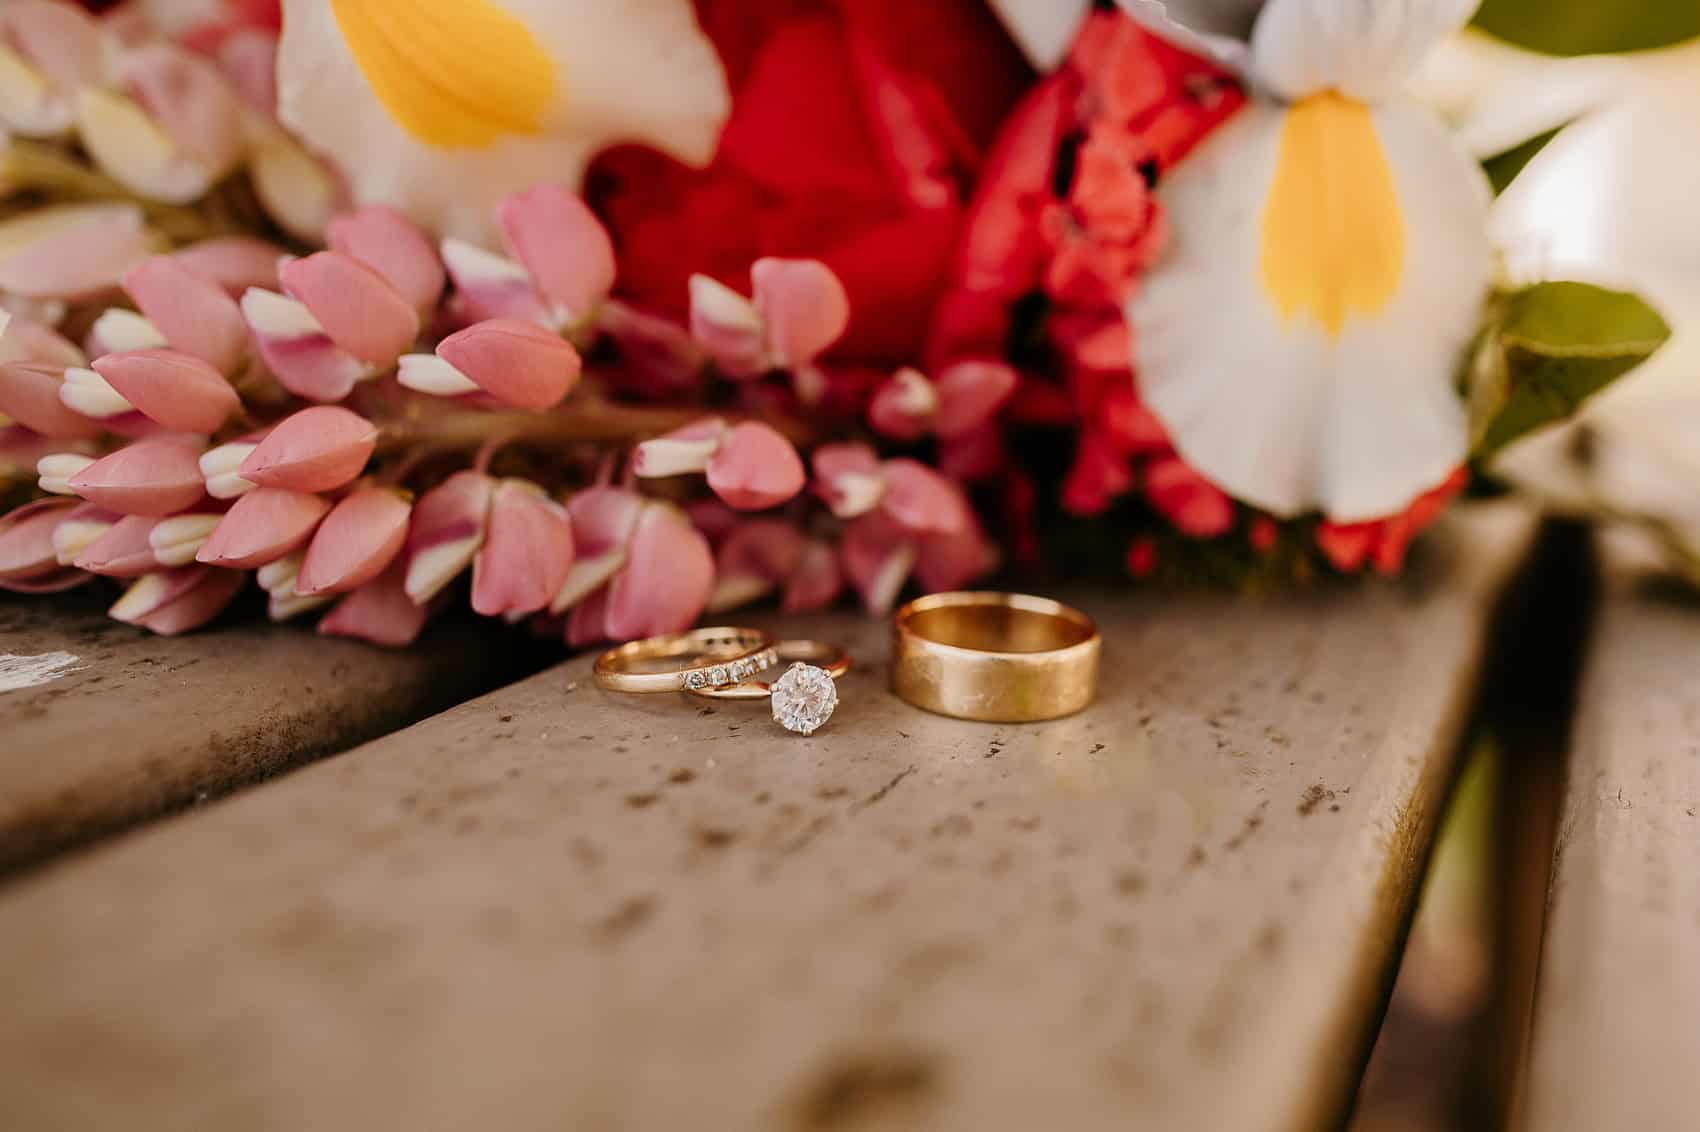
[637, 310]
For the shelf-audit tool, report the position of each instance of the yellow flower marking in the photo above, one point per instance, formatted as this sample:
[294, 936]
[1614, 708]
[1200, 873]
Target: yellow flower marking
[1333, 233]
[456, 74]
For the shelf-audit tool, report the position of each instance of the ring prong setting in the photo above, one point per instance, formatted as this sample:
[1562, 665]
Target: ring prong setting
[804, 698]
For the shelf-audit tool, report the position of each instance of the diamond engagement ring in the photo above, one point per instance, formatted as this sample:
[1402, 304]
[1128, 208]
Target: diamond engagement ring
[700, 660]
[804, 697]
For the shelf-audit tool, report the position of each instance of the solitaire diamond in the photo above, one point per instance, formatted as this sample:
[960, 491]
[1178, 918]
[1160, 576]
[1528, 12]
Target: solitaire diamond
[803, 698]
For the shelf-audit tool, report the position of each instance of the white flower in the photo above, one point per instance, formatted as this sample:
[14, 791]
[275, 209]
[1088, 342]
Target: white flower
[1610, 201]
[441, 107]
[1302, 340]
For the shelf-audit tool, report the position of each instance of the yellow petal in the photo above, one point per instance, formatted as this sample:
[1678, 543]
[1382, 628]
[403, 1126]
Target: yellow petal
[457, 74]
[1333, 238]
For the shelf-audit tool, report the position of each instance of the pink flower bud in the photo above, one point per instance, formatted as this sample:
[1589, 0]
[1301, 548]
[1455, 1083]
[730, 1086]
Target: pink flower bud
[379, 612]
[357, 541]
[667, 579]
[393, 246]
[903, 408]
[526, 554]
[684, 451]
[297, 349]
[564, 248]
[56, 470]
[489, 286]
[149, 477]
[24, 340]
[756, 468]
[177, 391]
[169, 129]
[85, 391]
[878, 556]
[728, 328]
[757, 558]
[80, 529]
[1197, 507]
[193, 312]
[588, 621]
[518, 363]
[317, 449]
[359, 311]
[262, 527]
[119, 331]
[176, 540]
[448, 528]
[603, 519]
[804, 306]
[124, 551]
[29, 394]
[816, 582]
[970, 393]
[235, 263]
[278, 579]
[177, 601]
[221, 467]
[75, 252]
[27, 554]
[849, 478]
[952, 560]
[59, 47]
[922, 501]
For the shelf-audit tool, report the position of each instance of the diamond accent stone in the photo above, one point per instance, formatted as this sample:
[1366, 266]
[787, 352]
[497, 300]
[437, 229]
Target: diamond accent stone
[718, 676]
[694, 680]
[804, 698]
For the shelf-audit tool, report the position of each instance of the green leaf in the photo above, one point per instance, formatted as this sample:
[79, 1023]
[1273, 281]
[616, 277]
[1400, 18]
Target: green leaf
[1547, 350]
[1503, 169]
[1583, 27]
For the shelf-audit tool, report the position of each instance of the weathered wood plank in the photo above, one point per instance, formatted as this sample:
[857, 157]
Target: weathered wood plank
[554, 908]
[1616, 1032]
[133, 725]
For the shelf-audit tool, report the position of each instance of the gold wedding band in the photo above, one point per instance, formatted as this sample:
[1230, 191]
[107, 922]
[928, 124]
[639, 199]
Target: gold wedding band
[830, 658]
[680, 662]
[998, 658]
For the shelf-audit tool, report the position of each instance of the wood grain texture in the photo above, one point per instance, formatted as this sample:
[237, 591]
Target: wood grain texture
[1616, 1031]
[556, 908]
[137, 725]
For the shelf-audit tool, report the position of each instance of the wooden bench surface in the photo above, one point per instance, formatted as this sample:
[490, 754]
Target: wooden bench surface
[105, 725]
[1616, 1039]
[555, 908]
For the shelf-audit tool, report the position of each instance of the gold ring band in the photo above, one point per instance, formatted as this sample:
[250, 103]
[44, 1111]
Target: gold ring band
[994, 657]
[713, 658]
[831, 658]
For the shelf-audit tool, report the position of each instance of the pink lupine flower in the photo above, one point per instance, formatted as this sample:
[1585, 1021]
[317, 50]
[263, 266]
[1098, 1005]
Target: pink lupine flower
[285, 601]
[357, 307]
[767, 555]
[222, 469]
[55, 471]
[79, 529]
[799, 309]
[357, 541]
[297, 350]
[527, 552]
[966, 395]
[817, 580]
[666, 581]
[317, 449]
[262, 527]
[170, 129]
[603, 519]
[176, 601]
[85, 391]
[75, 252]
[235, 263]
[393, 246]
[120, 331]
[1197, 507]
[25, 340]
[148, 477]
[449, 525]
[563, 247]
[849, 478]
[749, 465]
[59, 49]
[380, 612]
[517, 363]
[28, 561]
[904, 406]
[490, 286]
[191, 312]
[175, 390]
[124, 551]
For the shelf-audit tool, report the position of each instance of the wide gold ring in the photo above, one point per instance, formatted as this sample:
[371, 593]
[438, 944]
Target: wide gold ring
[682, 662]
[830, 658]
[994, 657]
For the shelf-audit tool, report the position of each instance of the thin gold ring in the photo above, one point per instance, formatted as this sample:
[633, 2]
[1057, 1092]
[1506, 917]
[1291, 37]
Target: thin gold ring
[995, 657]
[713, 658]
[828, 657]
